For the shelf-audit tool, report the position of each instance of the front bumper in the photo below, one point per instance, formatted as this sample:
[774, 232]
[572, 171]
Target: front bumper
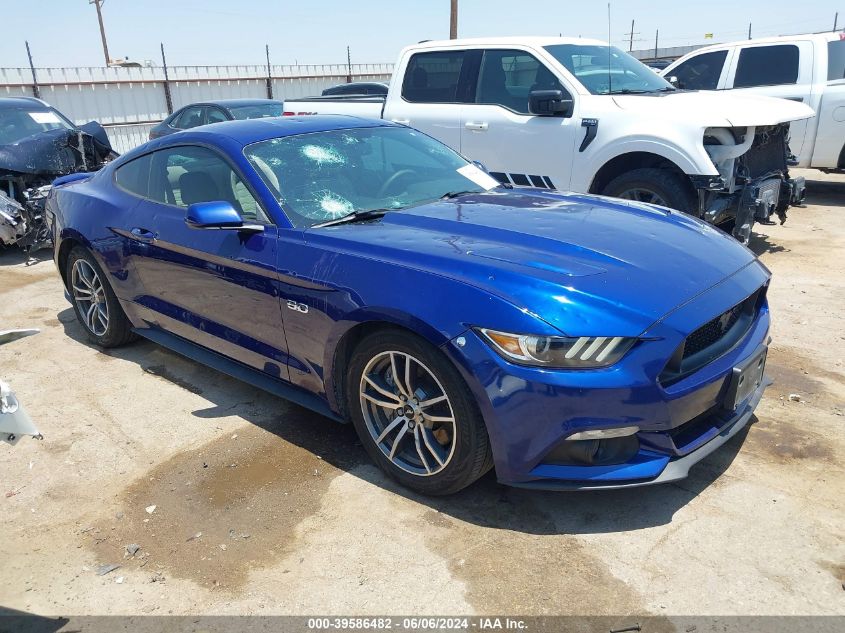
[530, 412]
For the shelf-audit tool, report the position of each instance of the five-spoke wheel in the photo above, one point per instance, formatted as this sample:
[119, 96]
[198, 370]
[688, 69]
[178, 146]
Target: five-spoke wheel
[414, 413]
[407, 413]
[90, 297]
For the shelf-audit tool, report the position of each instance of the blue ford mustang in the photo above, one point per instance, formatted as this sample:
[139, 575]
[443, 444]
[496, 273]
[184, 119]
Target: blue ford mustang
[369, 272]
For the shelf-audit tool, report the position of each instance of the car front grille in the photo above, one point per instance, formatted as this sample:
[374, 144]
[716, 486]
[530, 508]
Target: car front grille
[713, 339]
[712, 332]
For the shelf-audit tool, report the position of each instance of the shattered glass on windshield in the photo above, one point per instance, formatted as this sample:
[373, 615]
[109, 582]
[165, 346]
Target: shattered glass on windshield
[327, 175]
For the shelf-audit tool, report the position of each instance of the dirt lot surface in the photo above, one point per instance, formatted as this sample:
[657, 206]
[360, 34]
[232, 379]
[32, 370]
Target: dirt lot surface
[262, 507]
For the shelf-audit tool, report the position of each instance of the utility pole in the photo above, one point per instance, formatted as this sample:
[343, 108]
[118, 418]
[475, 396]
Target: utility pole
[99, 5]
[835, 20]
[631, 41]
[749, 30]
[348, 66]
[453, 21]
[656, 34]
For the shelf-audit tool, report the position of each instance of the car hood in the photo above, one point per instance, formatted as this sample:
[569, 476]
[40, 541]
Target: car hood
[53, 153]
[579, 262]
[717, 109]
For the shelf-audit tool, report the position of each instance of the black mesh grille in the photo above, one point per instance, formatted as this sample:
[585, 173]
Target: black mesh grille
[713, 339]
[712, 332]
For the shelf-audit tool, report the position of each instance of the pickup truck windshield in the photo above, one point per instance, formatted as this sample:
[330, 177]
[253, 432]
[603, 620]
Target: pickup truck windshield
[327, 175]
[607, 70]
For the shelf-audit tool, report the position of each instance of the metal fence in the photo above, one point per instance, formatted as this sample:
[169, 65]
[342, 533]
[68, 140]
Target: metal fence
[129, 101]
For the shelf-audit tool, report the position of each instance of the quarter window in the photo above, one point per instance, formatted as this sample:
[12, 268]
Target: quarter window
[767, 66]
[701, 72]
[185, 175]
[433, 77]
[134, 176]
[507, 77]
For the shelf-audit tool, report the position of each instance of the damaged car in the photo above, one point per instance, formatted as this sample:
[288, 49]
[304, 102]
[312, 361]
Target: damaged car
[38, 144]
[367, 271]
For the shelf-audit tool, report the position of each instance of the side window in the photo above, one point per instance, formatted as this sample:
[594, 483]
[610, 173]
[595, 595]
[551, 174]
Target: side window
[701, 72]
[507, 77]
[215, 115]
[433, 77]
[134, 176]
[767, 66]
[190, 117]
[835, 60]
[188, 174]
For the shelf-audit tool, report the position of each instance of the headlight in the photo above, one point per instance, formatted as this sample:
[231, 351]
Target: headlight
[558, 351]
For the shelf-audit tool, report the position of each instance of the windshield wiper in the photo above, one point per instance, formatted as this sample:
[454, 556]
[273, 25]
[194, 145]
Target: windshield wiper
[355, 216]
[628, 91]
[457, 194]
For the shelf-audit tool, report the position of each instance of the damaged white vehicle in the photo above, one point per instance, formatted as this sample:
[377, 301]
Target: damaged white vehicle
[579, 115]
[37, 146]
[14, 421]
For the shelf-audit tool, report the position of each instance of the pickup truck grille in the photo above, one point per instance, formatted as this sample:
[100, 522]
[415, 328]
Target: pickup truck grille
[713, 339]
[768, 153]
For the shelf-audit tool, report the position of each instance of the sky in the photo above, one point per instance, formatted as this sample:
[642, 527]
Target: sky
[221, 32]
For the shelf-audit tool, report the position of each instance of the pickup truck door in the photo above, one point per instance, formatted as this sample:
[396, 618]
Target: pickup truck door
[434, 83]
[498, 130]
[778, 70]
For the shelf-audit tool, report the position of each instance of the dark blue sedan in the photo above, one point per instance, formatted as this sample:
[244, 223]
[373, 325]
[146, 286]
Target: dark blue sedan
[208, 112]
[369, 272]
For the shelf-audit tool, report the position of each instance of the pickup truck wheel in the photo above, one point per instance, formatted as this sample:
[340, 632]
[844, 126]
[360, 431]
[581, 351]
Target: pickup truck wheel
[655, 186]
[414, 414]
[94, 302]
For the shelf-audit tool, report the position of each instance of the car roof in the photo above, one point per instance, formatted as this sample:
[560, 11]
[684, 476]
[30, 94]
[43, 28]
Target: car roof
[233, 103]
[493, 42]
[780, 39]
[24, 102]
[248, 131]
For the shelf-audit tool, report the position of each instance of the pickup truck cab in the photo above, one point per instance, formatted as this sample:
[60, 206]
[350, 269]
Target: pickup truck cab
[805, 68]
[576, 114]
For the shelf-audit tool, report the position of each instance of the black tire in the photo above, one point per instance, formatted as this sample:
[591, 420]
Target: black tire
[118, 330]
[471, 456]
[672, 189]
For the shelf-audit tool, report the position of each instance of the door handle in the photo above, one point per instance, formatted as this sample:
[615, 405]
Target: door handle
[402, 121]
[480, 127]
[143, 235]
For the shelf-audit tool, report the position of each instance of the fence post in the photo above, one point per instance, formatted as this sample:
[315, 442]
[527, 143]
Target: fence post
[168, 99]
[36, 91]
[269, 74]
[348, 66]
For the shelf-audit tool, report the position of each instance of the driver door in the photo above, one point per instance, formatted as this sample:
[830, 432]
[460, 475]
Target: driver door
[217, 288]
[498, 130]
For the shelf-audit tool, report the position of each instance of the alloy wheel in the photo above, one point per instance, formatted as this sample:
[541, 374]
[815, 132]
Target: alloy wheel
[90, 297]
[407, 413]
[643, 195]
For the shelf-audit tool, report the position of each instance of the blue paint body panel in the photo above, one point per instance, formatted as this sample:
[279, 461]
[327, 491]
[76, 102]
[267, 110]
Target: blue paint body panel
[527, 261]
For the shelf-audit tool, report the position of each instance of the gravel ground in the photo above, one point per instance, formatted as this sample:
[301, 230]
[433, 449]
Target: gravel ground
[261, 507]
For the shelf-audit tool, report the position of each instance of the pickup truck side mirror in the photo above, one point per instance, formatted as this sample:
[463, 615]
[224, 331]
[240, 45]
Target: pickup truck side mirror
[550, 103]
[674, 81]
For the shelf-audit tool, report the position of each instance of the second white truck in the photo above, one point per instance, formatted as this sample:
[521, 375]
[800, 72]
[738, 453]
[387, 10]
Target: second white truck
[579, 115]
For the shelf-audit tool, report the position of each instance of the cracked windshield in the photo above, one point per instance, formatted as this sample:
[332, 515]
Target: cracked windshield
[319, 178]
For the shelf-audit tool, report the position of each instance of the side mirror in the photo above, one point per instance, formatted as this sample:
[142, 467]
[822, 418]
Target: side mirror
[481, 166]
[550, 103]
[672, 79]
[219, 216]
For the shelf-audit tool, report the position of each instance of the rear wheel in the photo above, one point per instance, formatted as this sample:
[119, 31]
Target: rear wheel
[97, 308]
[414, 414]
[654, 186]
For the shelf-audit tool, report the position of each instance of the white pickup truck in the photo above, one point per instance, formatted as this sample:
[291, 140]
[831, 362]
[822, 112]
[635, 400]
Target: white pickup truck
[576, 114]
[805, 68]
